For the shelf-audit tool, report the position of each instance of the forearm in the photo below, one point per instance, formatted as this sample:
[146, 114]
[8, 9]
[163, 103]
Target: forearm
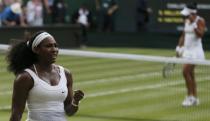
[114, 8]
[181, 40]
[15, 116]
[199, 32]
[17, 111]
[179, 47]
[199, 28]
[5, 22]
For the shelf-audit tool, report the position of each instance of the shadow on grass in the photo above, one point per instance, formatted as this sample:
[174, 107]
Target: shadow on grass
[118, 118]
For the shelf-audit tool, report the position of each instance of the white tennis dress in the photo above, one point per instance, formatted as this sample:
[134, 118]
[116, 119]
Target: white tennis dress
[193, 48]
[46, 102]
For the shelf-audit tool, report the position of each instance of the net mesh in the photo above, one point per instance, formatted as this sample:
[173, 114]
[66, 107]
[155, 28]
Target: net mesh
[129, 87]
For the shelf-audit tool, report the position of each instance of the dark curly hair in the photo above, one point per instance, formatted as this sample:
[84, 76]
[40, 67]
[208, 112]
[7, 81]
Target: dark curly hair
[21, 56]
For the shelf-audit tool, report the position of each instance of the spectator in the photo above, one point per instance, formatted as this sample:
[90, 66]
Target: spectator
[59, 9]
[83, 17]
[142, 16]
[12, 15]
[34, 13]
[47, 11]
[106, 10]
[1, 5]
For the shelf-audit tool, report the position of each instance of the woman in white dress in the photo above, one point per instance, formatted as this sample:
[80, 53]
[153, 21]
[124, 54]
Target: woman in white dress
[45, 87]
[190, 47]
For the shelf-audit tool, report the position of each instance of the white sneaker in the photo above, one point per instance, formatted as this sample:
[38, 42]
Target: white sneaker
[190, 101]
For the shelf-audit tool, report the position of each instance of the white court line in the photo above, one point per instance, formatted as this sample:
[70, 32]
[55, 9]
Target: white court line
[5, 107]
[115, 79]
[106, 80]
[139, 88]
[5, 92]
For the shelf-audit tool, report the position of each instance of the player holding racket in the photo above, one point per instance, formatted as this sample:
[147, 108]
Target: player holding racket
[190, 47]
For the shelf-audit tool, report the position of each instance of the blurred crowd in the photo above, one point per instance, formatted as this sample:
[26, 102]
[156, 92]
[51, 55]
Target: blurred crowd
[42, 12]
[31, 12]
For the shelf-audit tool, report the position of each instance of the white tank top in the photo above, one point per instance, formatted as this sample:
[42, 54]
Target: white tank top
[192, 41]
[46, 102]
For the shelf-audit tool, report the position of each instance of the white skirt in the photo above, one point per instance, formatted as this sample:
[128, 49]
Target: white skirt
[194, 53]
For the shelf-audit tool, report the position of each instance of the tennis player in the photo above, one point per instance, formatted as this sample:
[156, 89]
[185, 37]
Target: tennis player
[190, 47]
[45, 87]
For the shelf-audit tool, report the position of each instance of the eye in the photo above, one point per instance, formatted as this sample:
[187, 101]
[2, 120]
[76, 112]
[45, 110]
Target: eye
[56, 45]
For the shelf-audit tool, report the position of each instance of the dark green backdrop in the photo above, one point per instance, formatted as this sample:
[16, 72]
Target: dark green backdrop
[126, 15]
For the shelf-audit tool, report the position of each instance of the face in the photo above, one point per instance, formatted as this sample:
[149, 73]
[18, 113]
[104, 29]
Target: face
[191, 17]
[47, 50]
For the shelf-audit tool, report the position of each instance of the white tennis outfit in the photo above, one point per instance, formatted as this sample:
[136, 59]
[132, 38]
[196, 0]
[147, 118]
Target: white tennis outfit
[46, 102]
[193, 48]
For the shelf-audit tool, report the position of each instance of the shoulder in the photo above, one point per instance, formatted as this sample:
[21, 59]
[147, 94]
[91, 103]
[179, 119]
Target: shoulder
[24, 76]
[6, 11]
[201, 22]
[67, 72]
[24, 80]
[68, 77]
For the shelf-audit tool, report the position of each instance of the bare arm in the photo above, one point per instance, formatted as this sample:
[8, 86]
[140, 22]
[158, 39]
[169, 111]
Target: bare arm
[181, 40]
[46, 5]
[22, 22]
[179, 47]
[22, 85]
[72, 101]
[200, 28]
[8, 23]
[113, 9]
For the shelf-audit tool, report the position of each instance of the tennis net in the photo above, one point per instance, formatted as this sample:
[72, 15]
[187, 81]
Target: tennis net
[130, 86]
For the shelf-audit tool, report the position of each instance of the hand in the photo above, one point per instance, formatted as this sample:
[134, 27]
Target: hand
[78, 95]
[179, 51]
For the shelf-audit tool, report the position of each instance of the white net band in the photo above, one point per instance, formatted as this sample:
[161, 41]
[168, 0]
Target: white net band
[126, 56]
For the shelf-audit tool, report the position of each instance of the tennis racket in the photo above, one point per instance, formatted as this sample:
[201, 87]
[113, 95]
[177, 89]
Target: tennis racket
[168, 69]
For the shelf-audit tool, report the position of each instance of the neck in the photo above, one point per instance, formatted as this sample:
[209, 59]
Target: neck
[44, 66]
[192, 18]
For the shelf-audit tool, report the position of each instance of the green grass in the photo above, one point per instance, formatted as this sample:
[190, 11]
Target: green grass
[124, 90]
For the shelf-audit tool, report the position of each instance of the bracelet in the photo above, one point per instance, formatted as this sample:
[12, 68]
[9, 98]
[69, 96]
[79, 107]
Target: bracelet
[73, 104]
